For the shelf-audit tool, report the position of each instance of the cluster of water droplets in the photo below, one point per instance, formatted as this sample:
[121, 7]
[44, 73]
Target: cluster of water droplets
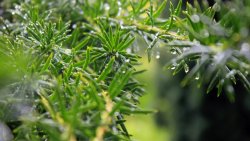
[176, 65]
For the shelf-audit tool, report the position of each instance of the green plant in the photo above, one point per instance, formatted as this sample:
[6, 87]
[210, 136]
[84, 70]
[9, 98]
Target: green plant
[71, 64]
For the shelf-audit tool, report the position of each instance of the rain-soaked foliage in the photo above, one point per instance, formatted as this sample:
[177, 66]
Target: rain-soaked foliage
[68, 66]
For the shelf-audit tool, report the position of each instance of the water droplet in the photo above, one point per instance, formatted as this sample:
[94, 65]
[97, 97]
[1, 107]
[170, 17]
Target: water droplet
[197, 77]
[74, 26]
[186, 49]
[205, 33]
[129, 96]
[128, 50]
[81, 12]
[186, 68]
[119, 11]
[216, 7]
[245, 47]
[119, 3]
[124, 71]
[25, 16]
[132, 109]
[128, 27]
[158, 55]
[195, 18]
[173, 51]
[41, 32]
[117, 54]
[246, 72]
[136, 97]
[127, 60]
[230, 89]
[106, 6]
[17, 7]
[117, 113]
[115, 130]
[173, 67]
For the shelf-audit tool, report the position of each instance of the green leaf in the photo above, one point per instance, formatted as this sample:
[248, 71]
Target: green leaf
[244, 80]
[220, 86]
[68, 74]
[212, 83]
[177, 11]
[119, 81]
[107, 70]
[47, 63]
[81, 44]
[127, 44]
[87, 59]
[160, 9]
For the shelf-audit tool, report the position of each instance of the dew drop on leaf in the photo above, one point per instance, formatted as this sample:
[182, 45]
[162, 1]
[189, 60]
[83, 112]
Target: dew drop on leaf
[197, 77]
[106, 6]
[81, 12]
[173, 67]
[136, 97]
[115, 130]
[67, 51]
[74, 26]
[246, 72]
[186, 68]
[230, 89]
[173, 51]
[119, 11]
[186, 49]
[195, 18]
[128, 96]
[117, 113]
[128, 50]
[205, 33]
[158, 55]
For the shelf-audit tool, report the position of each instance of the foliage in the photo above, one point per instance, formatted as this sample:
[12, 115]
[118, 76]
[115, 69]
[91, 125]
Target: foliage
[70, 65]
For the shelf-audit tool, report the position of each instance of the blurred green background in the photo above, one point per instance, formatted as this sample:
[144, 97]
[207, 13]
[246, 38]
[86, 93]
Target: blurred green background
[187, 113]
